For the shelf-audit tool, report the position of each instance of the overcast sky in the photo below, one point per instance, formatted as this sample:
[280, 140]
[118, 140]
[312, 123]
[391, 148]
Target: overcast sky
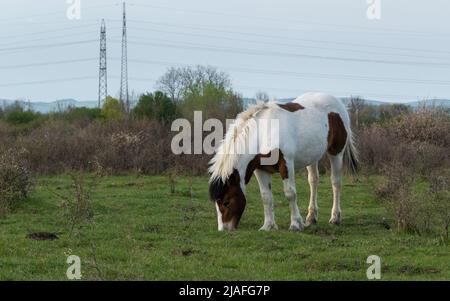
[282, 47]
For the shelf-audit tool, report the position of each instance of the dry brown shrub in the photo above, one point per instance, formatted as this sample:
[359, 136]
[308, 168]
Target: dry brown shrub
[15, 179]
[117, 146]
[425, 125]
[419, 139]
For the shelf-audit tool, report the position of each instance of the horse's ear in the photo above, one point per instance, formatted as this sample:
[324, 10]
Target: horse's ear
[216, 190]
[234, 178]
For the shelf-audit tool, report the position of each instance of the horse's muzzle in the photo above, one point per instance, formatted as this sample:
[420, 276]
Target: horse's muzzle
[230, 226]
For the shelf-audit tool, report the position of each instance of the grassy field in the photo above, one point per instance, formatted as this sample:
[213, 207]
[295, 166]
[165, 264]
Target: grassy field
[142, 231]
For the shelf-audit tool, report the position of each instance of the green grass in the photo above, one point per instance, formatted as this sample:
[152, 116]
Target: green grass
[141, 231]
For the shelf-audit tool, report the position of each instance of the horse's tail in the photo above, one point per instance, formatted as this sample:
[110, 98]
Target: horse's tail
[351, 154]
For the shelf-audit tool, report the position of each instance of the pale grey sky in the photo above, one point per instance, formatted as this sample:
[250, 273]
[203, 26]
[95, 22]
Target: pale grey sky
[283, 47]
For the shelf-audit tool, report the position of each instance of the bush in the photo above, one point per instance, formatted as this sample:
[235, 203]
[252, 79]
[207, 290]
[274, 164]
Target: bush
[418, 139]
[418, 205]
[82, 115]
[426, 125]
[411, 152]
[115, 145]
[16, 115]
[438, 194]
[112, 109]
[15, 181]
[156, 106]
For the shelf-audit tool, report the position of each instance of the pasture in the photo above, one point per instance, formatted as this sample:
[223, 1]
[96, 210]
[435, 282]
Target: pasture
[142, 231]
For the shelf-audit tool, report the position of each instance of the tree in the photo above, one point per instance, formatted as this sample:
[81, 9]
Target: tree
[201, 88]
[81, 114]
[16, 115]
[156, 106]
[112, 108]
[262, 96]
[177, 82]
[171, 83]
[214, 101]
[356, 105]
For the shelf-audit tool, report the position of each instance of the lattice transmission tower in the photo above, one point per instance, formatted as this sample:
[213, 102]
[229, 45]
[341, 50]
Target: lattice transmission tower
[102, 74]
[124, 70]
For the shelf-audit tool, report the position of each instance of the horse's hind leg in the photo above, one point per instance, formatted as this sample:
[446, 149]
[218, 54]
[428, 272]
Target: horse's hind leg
[313, 180]
[264, 180]
[336, 179]
[291, 194]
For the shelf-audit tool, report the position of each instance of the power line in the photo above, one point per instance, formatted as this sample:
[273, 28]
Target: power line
[284, 38]
[59, 12]
[21, 48]
[239, 86]
[291, 55]
[281, 44]
[303, 22]
[48, 81]
[303, 90]
[27, 41]
[47, 63]
[47, 31]
[249, 70]
[307, 75]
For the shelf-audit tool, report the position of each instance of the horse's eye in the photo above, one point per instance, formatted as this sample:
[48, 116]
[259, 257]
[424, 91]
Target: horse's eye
[226, 204]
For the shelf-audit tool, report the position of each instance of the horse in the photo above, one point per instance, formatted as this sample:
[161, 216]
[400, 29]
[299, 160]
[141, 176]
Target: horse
[312, 125]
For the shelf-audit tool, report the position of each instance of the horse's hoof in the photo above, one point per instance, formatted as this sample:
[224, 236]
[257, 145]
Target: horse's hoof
[296, 227]
[335, 219]
[310, 223]
[311, 219]
[269, 227]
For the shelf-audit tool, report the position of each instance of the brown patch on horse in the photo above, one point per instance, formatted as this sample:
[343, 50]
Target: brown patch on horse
[255, 163]
[229, 198]
[291, 106]
[337, 135]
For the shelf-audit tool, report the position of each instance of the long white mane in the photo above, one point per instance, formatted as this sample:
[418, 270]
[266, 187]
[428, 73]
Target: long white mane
[234, 143]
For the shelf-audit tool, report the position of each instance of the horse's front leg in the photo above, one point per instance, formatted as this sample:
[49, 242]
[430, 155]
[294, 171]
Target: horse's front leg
[264, 181]
[291, 194]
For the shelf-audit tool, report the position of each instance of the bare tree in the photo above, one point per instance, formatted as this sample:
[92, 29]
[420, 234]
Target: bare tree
[171, 83]
[356, 105]
[177, 81]
[262, 96]
[134, 98]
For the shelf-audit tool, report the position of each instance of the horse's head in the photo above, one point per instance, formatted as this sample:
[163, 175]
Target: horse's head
[229, 201]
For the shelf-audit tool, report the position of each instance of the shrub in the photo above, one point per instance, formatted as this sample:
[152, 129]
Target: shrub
[418, 139]
[16, 115]
[412, 154]
[15, 181]
[112, 109]
[116, 145]
[77, 206]
[438, 194]
[420, 205]
[156, 106]
[396, 194]
[82, 115]
[426, 125]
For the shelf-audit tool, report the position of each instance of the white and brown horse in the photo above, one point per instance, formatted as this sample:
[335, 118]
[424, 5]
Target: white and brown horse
[312, 125]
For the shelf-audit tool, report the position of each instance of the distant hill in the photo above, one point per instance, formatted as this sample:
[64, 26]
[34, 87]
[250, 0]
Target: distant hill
[432, 102]
[62, 104]
[445, 103]
[429, 102]
[53, 106]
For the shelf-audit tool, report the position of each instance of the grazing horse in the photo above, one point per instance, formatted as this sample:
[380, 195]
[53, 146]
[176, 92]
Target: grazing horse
[310, 126]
